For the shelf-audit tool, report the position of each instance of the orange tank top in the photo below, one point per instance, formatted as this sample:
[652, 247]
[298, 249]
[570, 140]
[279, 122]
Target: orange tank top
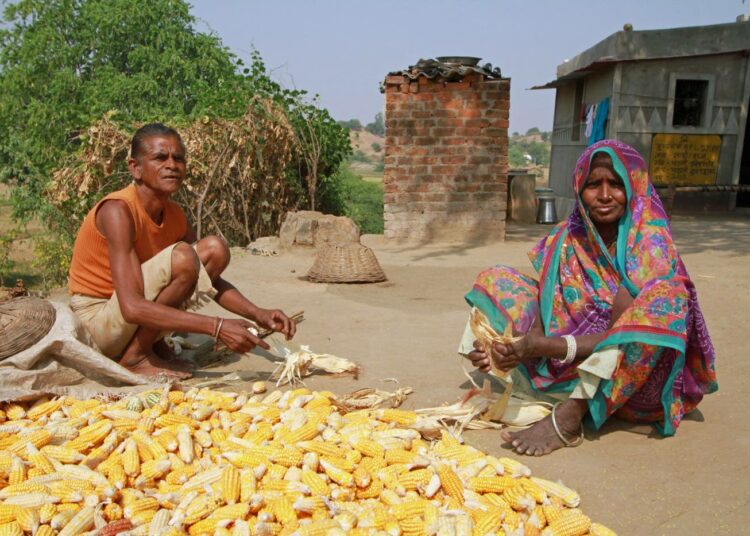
[90, 272]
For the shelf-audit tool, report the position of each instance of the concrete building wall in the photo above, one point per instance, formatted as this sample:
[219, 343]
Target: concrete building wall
[446, 158]
[642, 106]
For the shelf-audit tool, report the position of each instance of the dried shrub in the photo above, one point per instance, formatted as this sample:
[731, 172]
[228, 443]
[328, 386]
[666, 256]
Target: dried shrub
[236, 185]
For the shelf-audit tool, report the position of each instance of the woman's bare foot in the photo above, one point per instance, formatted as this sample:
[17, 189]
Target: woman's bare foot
[541, 438]
[162, 349]
[153, 366]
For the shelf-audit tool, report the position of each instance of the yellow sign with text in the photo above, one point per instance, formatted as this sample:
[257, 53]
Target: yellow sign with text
[684, 159]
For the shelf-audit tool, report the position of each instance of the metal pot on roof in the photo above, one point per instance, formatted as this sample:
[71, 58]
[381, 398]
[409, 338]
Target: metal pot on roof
[467, 61]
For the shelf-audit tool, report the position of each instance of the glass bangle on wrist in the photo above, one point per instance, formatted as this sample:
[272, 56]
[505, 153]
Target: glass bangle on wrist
[570, 355]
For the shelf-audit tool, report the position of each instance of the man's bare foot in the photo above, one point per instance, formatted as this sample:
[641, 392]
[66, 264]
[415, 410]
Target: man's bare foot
[162, 349]
[541, 438]
[153, 366]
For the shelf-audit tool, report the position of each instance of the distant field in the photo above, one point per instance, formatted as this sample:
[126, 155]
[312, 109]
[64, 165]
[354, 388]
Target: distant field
[19, 243]
[372, 177]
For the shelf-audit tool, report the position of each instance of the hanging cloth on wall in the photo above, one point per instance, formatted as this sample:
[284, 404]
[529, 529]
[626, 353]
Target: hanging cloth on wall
[590, 113]
[600, 118]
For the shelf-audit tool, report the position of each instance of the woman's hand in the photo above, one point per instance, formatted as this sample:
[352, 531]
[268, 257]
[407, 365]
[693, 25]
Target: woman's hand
[509, 356]
[236, 334]
[276, 320]
[479, 358]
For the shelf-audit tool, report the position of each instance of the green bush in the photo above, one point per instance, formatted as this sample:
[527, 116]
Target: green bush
[64, 64]
[6, 263]
[362, 200]
[359, 156]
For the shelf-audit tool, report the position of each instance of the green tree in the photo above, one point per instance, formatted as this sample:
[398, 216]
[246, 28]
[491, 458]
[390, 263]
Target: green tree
[377, 127]
[351, 124]
[532, 131]
[66, 63]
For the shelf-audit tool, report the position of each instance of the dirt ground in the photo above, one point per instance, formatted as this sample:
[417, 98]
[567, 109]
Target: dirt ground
[409, 327]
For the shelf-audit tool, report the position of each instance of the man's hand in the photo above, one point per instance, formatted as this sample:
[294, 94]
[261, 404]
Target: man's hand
[479, 358]
[236, 335]
[509, 356]
[276, 320]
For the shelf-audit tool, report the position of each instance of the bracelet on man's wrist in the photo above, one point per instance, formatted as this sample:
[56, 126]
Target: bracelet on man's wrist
[216, 334]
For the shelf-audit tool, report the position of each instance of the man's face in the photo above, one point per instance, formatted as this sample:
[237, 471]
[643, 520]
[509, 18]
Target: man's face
[161, 164]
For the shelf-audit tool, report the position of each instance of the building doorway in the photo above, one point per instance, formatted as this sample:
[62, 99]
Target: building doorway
[743, 198]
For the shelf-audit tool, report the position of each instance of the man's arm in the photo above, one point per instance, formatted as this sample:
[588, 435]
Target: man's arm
[234, 301]
[114, 221]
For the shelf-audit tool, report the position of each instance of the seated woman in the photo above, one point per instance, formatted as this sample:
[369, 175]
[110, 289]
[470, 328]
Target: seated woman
[613, 326]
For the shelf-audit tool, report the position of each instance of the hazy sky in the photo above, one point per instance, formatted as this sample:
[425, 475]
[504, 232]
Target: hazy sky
[342, 49]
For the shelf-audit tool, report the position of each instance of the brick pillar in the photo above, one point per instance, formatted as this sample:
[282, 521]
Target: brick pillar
[446, 157]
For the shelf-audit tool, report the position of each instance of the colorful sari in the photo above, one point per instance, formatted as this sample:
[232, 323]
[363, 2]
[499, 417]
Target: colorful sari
[661, 359]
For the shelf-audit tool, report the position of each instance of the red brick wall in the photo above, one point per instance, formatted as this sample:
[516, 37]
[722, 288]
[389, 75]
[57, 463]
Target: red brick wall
[446, 158]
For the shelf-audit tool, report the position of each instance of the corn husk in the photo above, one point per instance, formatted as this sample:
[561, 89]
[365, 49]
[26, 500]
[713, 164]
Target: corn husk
[369, 398]
[302, 362]
[486, 335]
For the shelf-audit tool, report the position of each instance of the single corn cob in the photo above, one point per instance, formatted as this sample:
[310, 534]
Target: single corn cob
[341, 477]
[159, 522]
[304, 433]
[91, 435]
[46, 513]
[43, 409]
[44, 530]
[571, 523]
[11, 529]
[451, 483]
[154, 469]
[140, 505]
[115, 527]
[518, 498]
[570, 497]
[411, 480]
[412, 526]
[315, 482]
[496, 484]
[230, 484]
[167, 440]
[200, 508]
[369, 448]
[202, 479]
[32, 500]
[487, 523]
[62, 454]
[408, 508]
[15, 412]
[288, 457]
[394, 456]
[112, 512]
[27, 519]
[514, 468]
[322, 448]
[80, 523]
[398, 416]
[37, 438]
[284, 512]
[185, 444]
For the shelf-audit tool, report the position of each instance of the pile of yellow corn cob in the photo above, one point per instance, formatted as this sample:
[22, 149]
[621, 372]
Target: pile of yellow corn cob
[206, 462]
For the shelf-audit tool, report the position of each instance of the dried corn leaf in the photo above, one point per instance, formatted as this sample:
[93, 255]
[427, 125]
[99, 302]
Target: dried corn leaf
[369, 398]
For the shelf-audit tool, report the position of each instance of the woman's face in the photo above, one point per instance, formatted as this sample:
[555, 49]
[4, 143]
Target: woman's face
[604, 193]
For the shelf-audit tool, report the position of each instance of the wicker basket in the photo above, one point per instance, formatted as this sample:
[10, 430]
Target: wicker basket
[346, 263]
[23, 322]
